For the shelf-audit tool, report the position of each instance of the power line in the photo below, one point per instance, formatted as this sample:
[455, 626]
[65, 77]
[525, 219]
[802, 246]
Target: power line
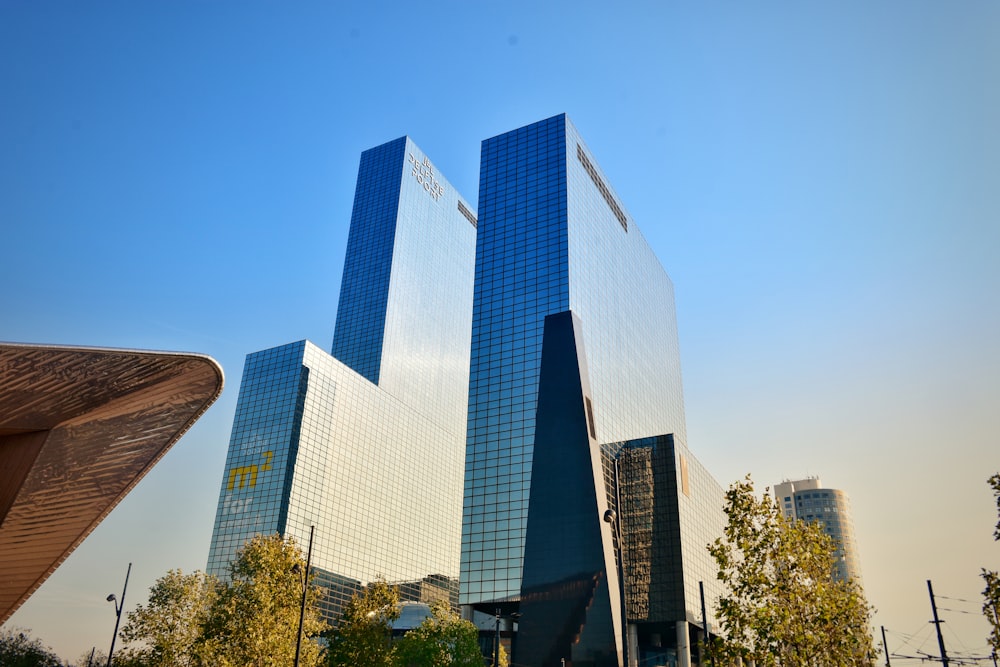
[945, 597]
[960, 611]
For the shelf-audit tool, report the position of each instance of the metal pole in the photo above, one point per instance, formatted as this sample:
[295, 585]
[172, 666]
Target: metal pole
[496, 642]
[621, 562]
[996, 627]
[996, 621]
[885, 647]
[118, 613]
[937, 625]
[305, 588]
[704, 622]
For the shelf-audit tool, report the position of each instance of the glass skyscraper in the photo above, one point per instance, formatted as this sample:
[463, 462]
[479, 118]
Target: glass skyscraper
[554, 238]
[585, 517]
[366, 444]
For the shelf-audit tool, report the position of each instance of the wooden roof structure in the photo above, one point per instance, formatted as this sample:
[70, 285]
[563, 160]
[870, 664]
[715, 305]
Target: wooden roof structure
[79, 427]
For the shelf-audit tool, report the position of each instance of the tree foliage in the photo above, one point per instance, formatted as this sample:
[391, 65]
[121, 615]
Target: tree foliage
[254, 620]
[991, 605]
[93, 658]
[19, 649]
[784, 606]
[363, 634]
[994, 483]
[991, 593]
[196, 621]
[169, 627]
[126, 658]
[442, 640]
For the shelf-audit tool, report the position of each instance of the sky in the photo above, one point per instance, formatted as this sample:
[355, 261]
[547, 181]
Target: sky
[820, 180]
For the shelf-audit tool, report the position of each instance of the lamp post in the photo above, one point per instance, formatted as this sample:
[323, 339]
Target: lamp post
[118, 612]
[610, 516]
[704, 622]
[496, 642]
[305, 588]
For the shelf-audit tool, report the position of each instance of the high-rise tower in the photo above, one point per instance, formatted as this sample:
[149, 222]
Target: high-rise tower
[558, 258]
[367, 445]
[806, 499]
[585, 516]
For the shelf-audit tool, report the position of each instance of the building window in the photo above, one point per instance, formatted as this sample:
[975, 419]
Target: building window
[601, 187]
[684, 476]
[467, 213]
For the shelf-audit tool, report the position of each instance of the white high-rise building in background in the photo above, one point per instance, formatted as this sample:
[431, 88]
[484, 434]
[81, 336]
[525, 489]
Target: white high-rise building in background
[807, 499]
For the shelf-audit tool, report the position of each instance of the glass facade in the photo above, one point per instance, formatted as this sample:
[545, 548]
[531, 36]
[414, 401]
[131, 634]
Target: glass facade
[555, 237]
[570, 603]
[549, 242]
[670, 509]
[367, 444]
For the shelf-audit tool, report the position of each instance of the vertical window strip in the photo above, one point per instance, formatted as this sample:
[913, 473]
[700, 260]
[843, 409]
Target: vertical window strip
[601, 187]
[467, 213]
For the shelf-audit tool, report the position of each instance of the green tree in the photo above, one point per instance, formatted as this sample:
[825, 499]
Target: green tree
[994, 483]
[167, 629]
[19, 649]
[363, 634]
[255, 617]
[92, 658]
[991, 605]
[991, 593]
[128, 658]
[442, 640]
[783, 605]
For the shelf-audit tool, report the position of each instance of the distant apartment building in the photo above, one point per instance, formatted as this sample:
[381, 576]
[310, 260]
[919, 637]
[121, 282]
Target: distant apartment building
[808, 500]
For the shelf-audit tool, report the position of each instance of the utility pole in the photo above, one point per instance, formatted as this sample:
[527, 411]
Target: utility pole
[305, 589]
[996, 623]
[937, 625]
[704, 621]
[611, 516]
[885, 647]
[119, 608]
[626, 652]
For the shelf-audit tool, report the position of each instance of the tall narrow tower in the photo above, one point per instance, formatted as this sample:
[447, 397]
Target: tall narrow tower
[555, 239]
[367, 445]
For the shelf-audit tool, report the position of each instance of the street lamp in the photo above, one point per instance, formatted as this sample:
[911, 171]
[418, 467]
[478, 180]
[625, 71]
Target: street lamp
[118, 612]
[496, 642]
[611, 517]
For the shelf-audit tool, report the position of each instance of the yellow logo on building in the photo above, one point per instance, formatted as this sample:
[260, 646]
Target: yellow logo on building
[246, 476]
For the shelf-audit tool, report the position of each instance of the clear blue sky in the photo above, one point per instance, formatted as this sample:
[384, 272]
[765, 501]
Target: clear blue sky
[821, 181]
